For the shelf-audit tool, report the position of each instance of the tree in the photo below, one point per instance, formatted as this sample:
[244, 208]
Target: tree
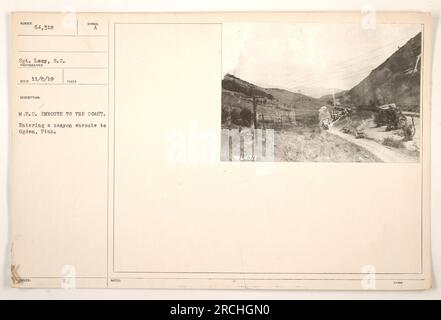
[247, 116]
[235, 116]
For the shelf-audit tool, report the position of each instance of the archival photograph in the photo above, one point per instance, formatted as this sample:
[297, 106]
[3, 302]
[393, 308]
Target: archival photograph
[299, 92]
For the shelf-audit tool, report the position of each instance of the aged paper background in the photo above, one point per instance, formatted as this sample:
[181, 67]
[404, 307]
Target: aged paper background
[129, 251]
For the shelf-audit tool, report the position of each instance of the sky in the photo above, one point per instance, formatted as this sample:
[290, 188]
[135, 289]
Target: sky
[288, 55]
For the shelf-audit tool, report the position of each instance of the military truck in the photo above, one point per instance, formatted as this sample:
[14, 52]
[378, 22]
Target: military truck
[392, 117]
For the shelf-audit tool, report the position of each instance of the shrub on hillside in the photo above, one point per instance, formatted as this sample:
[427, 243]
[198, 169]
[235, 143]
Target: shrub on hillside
[392, 142]
[247, 117]
[235, 117]
[224, 116]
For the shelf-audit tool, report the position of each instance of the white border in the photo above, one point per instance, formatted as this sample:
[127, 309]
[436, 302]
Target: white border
[7, 6]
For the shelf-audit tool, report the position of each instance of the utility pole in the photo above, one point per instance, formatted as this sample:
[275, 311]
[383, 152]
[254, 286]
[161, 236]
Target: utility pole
[255, 102]
[254, 111]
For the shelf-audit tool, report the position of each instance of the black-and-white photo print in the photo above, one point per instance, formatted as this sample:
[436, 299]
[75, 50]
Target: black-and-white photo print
[309, 92]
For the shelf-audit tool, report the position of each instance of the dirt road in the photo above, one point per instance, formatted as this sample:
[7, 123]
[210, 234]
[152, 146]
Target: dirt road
[384, 153]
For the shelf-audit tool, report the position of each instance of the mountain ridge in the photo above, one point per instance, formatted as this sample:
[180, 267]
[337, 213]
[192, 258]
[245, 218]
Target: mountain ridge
[288, 98]
[396, 80]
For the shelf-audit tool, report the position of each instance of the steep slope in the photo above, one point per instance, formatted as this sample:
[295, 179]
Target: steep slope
[235, 84]
[288, 99]
[294, 100]
[397, 80]
[274, 103]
